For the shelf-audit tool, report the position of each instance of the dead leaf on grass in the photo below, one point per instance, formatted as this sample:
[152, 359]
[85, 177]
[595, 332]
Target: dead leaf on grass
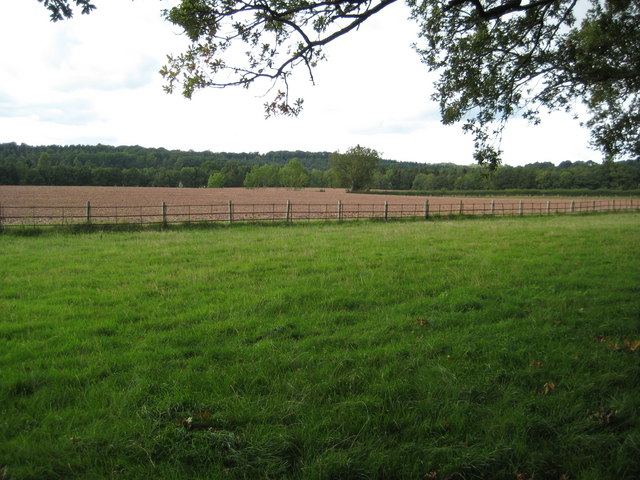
[422, 322]
[548, 387]
[604, 416]
[614, 346]
[632, 345]
[536, 363]
[523, 476]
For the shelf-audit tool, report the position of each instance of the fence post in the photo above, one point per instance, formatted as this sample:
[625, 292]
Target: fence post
[164, 214]
[88, 212]
[386, 210]
[571, 206]
[426, 209]
[460, 208]
[288, 212]
[339, 210]
[230, 212]
[594, 205]
[493, 207]
[520, 211]
[613, 205]
[548, 207]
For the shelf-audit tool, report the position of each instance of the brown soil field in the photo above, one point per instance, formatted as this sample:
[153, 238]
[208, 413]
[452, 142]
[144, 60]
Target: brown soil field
[50, 205]
[28, 196]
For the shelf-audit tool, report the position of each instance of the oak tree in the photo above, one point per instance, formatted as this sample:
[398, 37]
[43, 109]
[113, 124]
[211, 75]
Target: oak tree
[354, 169]
[497, 59]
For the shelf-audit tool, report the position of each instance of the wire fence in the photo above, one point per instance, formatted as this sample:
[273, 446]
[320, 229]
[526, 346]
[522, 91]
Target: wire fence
[11, 216]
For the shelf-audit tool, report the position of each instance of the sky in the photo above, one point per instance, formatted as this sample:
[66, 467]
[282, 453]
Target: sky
[94, 79]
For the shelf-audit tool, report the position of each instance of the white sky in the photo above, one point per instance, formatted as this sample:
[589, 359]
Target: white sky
[94, 79]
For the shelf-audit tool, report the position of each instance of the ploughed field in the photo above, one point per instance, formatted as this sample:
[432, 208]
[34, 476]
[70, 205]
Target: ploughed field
[41, 205]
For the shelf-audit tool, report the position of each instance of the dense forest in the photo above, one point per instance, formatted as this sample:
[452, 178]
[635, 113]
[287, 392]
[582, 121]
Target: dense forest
[102, 165]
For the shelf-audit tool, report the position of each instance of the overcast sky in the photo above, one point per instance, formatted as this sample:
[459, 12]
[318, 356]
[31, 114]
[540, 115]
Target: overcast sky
[94, 79]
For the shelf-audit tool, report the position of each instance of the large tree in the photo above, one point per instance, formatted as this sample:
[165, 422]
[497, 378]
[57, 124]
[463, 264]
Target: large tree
[497, 59]
[354, 168]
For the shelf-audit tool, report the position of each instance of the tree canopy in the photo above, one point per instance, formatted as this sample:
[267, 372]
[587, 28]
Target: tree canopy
[354, 168]
[497, 59]
[146, 167]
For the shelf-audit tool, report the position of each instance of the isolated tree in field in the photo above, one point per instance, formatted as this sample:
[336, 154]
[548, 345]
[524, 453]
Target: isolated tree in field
[354, 168]
[497, 59]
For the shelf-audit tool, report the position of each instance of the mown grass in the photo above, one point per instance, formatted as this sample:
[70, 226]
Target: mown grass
[484, 349]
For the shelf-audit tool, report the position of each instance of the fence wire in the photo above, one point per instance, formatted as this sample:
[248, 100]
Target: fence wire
[272, 212]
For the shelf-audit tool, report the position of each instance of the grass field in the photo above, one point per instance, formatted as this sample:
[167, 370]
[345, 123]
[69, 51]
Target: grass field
[471, 349]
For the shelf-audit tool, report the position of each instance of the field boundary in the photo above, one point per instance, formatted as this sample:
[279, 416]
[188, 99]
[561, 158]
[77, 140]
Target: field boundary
[229, 212]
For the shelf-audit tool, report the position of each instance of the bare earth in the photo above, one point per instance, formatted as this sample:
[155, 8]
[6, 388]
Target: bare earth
[28, 196]
[46, 205]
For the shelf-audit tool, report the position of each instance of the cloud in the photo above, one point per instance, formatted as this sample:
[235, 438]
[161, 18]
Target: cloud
[401, 126]
[389, 129]
[69, 112]
[139, 73]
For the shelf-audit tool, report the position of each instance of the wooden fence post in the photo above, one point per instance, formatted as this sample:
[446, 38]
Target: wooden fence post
[88, 212]
[572, 206]
[288, 212]
[593, 204]
[548, 207]
[164, 214]
[493, 207]
[613, 205]
[426, 209]
[386, 210]
[339, 210]
[520, 211]
[230, 212]
[460, 208]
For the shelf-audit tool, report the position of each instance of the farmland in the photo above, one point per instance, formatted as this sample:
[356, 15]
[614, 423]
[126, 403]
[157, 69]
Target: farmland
[20, 205]
[133, 196]
[487, 349]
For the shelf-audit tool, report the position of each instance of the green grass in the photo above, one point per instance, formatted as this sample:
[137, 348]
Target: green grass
[478, 349]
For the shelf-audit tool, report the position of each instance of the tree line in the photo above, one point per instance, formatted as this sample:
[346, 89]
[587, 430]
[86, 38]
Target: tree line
[152, 167]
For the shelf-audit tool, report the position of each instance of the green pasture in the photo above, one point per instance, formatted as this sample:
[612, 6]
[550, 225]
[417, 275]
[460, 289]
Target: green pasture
[452, 349]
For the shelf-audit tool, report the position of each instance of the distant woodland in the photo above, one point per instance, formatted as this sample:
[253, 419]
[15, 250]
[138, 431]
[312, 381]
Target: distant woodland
[102, 165]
